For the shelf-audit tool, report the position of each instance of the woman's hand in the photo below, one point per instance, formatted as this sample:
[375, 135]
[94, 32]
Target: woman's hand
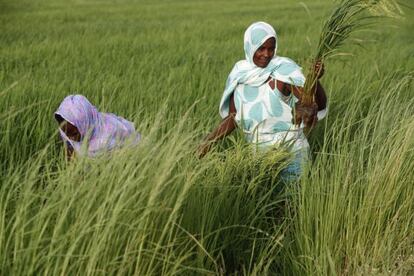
[203, 149]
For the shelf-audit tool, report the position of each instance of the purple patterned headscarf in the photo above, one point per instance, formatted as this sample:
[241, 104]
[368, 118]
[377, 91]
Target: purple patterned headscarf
[99, 131]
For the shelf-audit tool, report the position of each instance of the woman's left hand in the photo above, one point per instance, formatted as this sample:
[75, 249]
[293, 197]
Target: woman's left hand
[203, 149]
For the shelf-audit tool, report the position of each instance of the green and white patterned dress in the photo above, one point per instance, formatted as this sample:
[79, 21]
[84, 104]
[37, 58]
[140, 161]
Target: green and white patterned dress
[265, 114]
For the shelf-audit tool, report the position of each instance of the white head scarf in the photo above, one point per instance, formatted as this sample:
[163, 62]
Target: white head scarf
[246, 72]
[255, 35]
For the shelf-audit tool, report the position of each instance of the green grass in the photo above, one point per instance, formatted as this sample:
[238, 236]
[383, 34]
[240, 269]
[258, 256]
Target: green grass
[157, 209]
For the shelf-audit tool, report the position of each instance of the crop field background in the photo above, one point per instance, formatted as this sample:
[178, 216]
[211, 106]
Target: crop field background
[156, 209]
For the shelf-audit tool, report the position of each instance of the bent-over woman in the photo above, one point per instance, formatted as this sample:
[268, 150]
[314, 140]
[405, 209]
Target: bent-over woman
[86, 131]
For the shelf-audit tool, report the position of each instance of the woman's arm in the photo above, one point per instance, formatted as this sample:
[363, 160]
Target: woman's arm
[226, 126]
[307, 114]
[320, 95]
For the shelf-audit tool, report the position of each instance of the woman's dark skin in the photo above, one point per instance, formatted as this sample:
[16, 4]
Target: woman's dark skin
[71, 132]
[307, 114]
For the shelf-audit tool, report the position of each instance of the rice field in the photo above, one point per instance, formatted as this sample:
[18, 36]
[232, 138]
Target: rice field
[157, 209]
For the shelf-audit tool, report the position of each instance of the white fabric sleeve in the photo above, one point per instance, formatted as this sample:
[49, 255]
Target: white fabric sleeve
[322, 113]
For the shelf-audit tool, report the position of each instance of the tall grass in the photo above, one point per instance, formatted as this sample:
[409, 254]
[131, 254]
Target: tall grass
[156, 209]
[151, 210]
[354, 212]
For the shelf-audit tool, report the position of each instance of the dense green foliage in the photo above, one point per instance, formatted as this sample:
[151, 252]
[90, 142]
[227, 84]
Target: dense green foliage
[157, 209]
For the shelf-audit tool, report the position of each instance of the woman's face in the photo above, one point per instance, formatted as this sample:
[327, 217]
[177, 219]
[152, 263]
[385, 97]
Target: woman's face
[265, 53]
[70, 130]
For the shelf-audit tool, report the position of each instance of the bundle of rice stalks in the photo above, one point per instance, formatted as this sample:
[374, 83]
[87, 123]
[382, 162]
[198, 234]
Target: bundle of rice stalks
[348, 17]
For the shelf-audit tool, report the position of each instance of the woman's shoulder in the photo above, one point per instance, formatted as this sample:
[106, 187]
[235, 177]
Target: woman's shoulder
[288, 71]
[240, 66]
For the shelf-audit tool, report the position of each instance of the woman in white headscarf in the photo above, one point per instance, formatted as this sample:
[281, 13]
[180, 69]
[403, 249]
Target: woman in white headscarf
[260, 94]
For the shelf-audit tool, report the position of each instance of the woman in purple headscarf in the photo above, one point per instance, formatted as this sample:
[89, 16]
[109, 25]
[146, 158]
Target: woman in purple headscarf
[88, 132]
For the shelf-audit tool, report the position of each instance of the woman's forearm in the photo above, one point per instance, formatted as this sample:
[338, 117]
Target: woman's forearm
[225, 128]
[320, 95]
